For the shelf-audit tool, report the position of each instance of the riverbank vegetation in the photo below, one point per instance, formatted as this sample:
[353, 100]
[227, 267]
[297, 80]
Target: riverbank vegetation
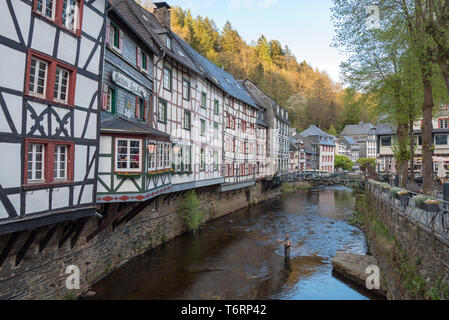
[191, 212]
[398, 54]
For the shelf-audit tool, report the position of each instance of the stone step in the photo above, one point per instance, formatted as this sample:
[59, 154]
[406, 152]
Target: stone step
[353, 267]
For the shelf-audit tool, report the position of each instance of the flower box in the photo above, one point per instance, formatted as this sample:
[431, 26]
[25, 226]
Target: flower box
[431, 205]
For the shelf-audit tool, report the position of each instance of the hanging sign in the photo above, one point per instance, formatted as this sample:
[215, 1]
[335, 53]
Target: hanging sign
[128, 84]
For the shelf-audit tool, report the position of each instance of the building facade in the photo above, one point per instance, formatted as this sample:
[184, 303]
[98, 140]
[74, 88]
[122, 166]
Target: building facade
[365, 135]
[50, 97]
[325, 144]
[135, 157]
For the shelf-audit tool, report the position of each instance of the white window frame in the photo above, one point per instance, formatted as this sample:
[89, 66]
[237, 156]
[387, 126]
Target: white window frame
[36, 78]
[44, 9]
[59, 72]
[187, 157]
[166, 78]
[128, 160]
[34, 162]
[58, 162]
[167, 149]
[160, 155]
[68, 8]
[152, 158]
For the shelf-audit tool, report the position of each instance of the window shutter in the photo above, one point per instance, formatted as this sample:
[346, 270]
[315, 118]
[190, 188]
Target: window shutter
[138, 57]
[107, 31]
[145, 111]
[105, 96]
[137, 108]
[120, 41]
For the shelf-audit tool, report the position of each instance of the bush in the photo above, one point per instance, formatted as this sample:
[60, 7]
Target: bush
[343, 162]
[362, 162]
[191, 212]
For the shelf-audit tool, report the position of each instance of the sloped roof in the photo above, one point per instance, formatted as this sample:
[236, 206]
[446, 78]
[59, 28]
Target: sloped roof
[350, 140]
[313, 130]
[264, 100]
[222, 79]
[385, 128]
[358, 129]
[154, 30]
[120, 124]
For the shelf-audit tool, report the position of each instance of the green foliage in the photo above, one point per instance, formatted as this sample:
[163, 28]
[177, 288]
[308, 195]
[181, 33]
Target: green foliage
[286, 187]
[343, 162]
[362, 162]
[190, 211]
[332, 131]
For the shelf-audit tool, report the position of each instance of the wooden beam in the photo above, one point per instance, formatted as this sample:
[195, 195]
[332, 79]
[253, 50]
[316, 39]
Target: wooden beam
[68, 233]
[47, 237]
[106, 223]
[78, 232]
[12, 240]
[26, 245]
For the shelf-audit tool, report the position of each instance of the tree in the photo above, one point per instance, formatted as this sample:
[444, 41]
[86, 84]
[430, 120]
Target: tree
[343, 162]
[364, 162]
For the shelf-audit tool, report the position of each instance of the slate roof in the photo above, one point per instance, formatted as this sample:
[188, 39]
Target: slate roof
[222, 79]
[385, 129]
[318, 136]
[263, 100]
[147, 25]
[308, 145]
[349, 142]
[120, 124]
[358, 129]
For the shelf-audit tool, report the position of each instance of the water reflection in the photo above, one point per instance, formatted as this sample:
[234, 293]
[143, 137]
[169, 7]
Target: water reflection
[240, 256]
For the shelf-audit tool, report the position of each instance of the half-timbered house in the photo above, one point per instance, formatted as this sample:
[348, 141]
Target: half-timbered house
[50, 96]
[189, 107]
[134, 163]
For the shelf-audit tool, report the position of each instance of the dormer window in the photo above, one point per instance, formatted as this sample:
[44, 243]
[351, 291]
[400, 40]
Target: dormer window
[168, 42]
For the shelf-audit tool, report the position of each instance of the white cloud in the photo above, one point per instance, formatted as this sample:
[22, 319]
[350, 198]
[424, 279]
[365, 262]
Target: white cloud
[250, 4]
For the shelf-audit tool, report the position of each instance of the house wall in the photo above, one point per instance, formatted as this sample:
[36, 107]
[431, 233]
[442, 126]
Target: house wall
[23, 116]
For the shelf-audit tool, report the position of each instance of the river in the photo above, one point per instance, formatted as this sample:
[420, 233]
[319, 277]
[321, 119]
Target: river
[239, 256]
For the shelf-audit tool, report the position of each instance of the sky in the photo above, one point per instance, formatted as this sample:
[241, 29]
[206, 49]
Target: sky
[303, 25]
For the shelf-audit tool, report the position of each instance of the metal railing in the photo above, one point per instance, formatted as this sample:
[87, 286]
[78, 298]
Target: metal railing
[434, 218]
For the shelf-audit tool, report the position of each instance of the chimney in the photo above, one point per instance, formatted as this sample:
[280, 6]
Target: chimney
[162, 13]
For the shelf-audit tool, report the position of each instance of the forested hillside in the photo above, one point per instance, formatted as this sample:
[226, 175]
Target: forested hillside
[309, 94]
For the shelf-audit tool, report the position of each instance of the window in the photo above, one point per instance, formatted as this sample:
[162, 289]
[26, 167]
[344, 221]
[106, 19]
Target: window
[50, 79]
[419, 140]
[128, 155]
[61, 85]
[142, 61]
[48, 161]
[202, 160]
[185, 89]
[162, 111]
[37, 85]
[167, 81]
[65, 13]
[203, 127]
[141, 112]
[109, 99]
[203, 100]
[70, 14]
[187, 120]
[160, 155]
[385, 141]
[216, 161]
[46, 8]
[167, 151]
[216, 108]
[35, 169]
[114, 36]
[440, 139]
[216, 130]
[168, 42]
[443, 123]
[60, 166]
[152, 156]
[187, 151]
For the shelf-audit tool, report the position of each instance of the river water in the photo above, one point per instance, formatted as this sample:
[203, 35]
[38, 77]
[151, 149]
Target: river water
[239, 256]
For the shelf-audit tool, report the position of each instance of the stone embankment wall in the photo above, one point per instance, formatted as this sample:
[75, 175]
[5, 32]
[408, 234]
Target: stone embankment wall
[413, 260]
[41, 275]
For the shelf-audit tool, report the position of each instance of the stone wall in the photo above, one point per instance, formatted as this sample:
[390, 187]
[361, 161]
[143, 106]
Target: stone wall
[41, 275]
[408, 244]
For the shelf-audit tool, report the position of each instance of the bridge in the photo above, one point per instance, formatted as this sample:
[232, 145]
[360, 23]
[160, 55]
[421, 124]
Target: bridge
[356, 181]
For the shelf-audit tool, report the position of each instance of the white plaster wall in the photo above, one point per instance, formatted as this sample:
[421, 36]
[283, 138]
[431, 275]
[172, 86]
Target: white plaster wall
[60, 198]
[12, 62]
[36, 201]
[45, 43]
[92, 22]
[11, 165]
[80, 162]
[85, 89]
[67, 48]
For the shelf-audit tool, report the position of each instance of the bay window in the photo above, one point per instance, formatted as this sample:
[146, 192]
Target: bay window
[152, 154]
[128, 155]
[167, 155]
[160, 155]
